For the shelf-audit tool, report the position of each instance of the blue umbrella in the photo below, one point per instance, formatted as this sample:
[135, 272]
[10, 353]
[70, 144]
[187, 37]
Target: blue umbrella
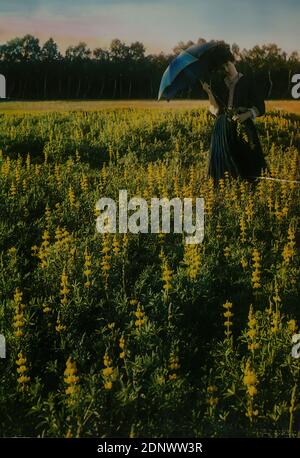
[191, 65]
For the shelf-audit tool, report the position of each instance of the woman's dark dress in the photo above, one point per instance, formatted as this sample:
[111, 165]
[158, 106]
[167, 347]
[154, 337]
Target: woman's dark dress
[235, 147]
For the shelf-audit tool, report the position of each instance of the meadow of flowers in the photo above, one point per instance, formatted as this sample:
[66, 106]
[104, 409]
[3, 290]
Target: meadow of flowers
[142, 335]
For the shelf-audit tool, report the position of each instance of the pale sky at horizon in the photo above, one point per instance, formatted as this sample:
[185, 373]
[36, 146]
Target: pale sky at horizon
[159, 24]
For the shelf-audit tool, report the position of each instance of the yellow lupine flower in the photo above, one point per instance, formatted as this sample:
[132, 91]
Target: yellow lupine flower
[166, 274]
[252, 332]
[22, 369]
[107, 371]
[242, 230]
[19, 318]
[192, 260]
[106, 360]
[227, 252]
[228, 315]
[71, 379]
[87, 268]
[108, 385]
[256, 274]
[105, 261]
[250, 379]
[59, 327]
[292, 326]
[140, 314]
[172, 377]
[72, 198]
[64, 290]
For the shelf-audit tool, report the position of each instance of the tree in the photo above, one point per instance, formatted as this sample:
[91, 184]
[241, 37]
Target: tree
[119, 50]
[22, 49]
[49, 55]
[181, 46]
[12, 50]
[31, 50]
[50, 52]
[137, 51]
[269, 55]
[101, 54]
[78, 52]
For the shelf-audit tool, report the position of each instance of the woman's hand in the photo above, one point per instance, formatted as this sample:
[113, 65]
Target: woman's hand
[206, 87]
[213, 107]
[242, 117]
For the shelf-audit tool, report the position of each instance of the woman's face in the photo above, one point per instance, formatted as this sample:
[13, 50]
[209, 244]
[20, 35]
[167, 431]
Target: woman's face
[229, 68]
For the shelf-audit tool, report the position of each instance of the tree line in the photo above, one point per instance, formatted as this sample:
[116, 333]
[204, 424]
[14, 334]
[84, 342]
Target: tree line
[35, 71]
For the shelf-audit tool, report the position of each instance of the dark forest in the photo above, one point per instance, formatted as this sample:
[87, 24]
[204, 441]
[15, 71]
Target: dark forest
[123, 71]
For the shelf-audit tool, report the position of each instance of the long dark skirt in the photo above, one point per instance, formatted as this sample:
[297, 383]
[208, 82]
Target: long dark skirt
[236, 149]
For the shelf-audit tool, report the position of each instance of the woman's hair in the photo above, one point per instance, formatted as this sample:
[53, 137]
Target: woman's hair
[227, 54]
[221, 55]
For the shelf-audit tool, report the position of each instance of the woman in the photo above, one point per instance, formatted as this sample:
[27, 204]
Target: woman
[235, 146]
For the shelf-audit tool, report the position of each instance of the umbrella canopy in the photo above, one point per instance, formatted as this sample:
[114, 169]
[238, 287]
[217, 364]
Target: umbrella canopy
[190, 65]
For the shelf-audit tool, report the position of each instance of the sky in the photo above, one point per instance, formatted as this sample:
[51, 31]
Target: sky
[159, 24]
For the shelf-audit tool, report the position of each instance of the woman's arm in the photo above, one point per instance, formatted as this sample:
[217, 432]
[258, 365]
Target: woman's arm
[256, 103]
[242, 117]
[213, 105]
[256, 99]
